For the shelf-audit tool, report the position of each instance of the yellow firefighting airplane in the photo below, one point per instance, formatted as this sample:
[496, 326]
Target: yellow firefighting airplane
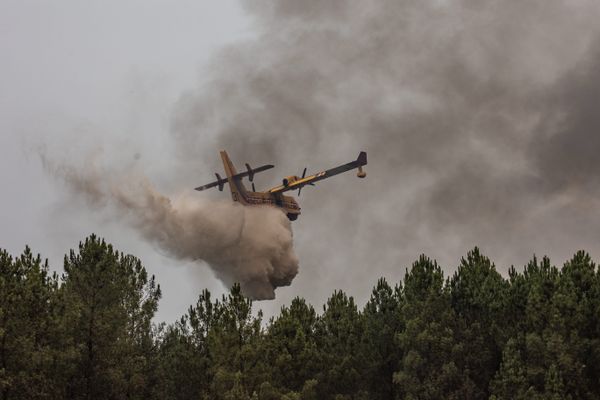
[275, 196]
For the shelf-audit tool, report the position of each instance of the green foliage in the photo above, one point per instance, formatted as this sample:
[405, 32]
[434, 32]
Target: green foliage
[429, 342]
[339, 333]
[29, 329]
[235, 346]
[291, 349]
[109, 302]
[479, 295]
[382, 321]
[511, 380]
[475, 335]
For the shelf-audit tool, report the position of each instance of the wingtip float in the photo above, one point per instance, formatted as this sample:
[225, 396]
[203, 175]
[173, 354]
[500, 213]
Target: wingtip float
[275, 196]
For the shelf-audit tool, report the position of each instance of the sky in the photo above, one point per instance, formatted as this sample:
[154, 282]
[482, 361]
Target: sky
[479, 118]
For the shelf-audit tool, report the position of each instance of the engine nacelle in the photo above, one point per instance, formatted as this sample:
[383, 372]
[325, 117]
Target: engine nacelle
[250, 172]
[220, 181]
[289, 179]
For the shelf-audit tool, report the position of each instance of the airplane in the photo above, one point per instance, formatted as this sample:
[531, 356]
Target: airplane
[275, 196]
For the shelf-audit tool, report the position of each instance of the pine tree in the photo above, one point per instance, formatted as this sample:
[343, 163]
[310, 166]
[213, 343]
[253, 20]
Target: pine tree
[382, 322]
[184, 362]
[428, 369]
[110, 302]
[236, 347]
[478, 294]
[510, 382]
[291, 348]
[339, 335]
[28, 328]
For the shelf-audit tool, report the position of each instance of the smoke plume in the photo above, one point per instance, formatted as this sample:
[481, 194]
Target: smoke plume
[249, 245]
[480, 118]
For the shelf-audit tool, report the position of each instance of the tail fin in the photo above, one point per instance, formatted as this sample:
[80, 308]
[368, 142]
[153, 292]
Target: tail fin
[238, 191]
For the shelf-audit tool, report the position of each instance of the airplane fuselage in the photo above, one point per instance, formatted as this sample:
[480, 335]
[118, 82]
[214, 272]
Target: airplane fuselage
[240, 194]
[288, 204]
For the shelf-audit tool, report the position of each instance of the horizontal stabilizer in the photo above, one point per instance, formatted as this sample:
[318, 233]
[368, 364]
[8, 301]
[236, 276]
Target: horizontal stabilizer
[220, 182]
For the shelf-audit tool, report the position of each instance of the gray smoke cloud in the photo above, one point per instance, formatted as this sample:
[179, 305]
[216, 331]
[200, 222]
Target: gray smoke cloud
[480, 118]
[249, 245]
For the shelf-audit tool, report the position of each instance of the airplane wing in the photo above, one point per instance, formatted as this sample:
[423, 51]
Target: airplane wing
[222, 181]
[309, 180]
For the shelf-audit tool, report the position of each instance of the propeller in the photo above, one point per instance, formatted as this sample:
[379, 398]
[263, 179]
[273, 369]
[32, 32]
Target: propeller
[250, 172]
[303, 175]
[253, 188]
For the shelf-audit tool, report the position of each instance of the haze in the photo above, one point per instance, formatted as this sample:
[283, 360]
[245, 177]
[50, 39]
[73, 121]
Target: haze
[479, 117]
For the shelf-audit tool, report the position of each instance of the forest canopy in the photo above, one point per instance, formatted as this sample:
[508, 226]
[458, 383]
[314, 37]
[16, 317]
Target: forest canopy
[89, 334]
